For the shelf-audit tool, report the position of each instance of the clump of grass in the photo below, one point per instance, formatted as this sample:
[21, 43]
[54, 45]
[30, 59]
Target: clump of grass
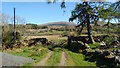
[57, 49]
[94, 45]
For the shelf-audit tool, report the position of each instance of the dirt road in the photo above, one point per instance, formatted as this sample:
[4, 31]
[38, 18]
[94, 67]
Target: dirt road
[63, 59]
[43, 61]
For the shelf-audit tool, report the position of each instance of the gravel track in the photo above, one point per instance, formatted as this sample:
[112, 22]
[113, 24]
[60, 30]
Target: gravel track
[12, 60]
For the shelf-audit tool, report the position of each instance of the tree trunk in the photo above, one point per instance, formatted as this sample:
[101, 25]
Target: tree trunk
[91, 40]
[108, 26]
[81, 28]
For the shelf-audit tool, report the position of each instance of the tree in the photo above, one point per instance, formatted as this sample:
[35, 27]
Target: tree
[116, 8]
[108, 12]
[7, 31]
[85, 13]
[91, 12]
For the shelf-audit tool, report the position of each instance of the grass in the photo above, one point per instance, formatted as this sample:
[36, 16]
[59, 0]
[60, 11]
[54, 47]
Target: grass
[69, 60]
[76, 59]
[94, 45]
[55, 58]
[35, 52]
[58, 39]
[55, 38]
[49, 33]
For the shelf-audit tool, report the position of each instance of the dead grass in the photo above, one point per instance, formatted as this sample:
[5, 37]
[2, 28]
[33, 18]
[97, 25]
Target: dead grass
[49, 37]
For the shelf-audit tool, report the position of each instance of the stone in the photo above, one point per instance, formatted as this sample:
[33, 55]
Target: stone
[98, 51]
[86, 45]
[117, 59]
[106, 53]
[102, 43]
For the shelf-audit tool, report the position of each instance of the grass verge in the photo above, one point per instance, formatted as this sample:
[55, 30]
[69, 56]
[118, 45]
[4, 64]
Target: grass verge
[35, 52]
[76, 59]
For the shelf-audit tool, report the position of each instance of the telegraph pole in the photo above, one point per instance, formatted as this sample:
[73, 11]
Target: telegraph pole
[14, 26]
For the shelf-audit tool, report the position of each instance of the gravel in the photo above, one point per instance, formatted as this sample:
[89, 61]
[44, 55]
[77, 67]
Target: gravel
[12, 60]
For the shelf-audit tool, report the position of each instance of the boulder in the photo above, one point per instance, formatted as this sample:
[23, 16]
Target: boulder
[117, 59]
[85, 51]
[87, 46]
[106, 53]
[118, 52]
[98, 52]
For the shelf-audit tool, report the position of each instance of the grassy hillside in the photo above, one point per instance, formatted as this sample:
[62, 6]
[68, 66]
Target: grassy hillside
[62, 23]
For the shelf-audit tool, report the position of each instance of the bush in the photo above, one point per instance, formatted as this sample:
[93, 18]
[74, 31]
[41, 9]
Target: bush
[43, 27]
[109, 40]
[65, 34]
[57, 49]
[8, 39]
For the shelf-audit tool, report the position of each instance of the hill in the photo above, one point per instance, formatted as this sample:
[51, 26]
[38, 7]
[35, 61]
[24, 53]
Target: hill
[62, 23]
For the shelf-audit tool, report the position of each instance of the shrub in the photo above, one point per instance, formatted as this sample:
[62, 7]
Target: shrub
[57, 49]
[8, 39]
[65, 34]
[109, 40]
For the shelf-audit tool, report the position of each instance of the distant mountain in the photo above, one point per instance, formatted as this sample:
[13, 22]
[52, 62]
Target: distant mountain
[62, 23]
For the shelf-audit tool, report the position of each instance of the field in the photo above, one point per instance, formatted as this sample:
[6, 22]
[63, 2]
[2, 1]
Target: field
[38, 53]
[83, 34]
[58, 53]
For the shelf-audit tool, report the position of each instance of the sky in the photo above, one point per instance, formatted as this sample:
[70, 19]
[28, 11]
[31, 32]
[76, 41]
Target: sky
[39, 12]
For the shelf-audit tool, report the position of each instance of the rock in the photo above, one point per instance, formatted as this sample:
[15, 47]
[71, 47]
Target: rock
[37, 41]
[87, 46]
[80, 45]
[98, 51]
[106, 53]
[102, 43]
[85, 51]
[117, 59]
[118, 52]
[109, 57]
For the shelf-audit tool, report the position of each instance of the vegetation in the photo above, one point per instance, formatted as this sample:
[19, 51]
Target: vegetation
[9, 40]
[82, 53]
[75, 59]
[55, 58]
[94, 45]
[36, 52]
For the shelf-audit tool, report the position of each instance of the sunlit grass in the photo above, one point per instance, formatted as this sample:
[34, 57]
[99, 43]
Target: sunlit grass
[35, 52]
[77, 59]
[55, 58]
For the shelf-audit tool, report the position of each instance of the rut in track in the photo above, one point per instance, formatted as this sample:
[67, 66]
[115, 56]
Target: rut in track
[63, 59]
[43, 61]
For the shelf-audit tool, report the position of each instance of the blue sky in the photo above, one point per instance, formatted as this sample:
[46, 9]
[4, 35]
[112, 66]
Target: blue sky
[39, 12]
